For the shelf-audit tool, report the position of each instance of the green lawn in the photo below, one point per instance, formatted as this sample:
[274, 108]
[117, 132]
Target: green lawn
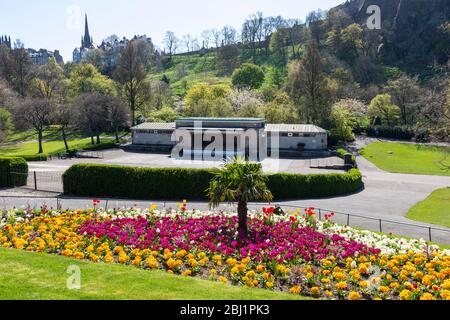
[408, 158]
[435, 209]
[31, 148]
[31, 276]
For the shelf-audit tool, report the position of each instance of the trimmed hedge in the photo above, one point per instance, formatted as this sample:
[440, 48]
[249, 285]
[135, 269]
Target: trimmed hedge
[92, 180]
[390, 132]
[341, 154]
[35, 157]
[10, 164]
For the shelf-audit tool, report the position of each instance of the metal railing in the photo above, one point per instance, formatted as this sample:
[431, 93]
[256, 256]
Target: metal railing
[357, 221]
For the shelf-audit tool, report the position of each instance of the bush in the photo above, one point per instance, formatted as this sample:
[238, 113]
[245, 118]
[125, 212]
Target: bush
[341, 154]
[248, 75]
[91, 180]
[403, 133]
[35, 157]
[17, 166]
[285, 186]
[101, 146]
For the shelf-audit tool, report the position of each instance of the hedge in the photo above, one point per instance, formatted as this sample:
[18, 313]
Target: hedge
[16, 165]
[35, 157]
[341, 154]
[390, 132]
[93, 180]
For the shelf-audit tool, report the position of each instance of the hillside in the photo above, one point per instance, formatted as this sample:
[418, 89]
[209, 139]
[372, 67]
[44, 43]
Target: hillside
[410, 35]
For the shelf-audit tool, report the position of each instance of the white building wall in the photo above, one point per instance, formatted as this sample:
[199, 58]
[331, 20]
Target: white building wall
[152, 138]
[317, 141]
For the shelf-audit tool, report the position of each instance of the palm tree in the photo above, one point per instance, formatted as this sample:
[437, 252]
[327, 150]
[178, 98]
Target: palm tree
[239, 181]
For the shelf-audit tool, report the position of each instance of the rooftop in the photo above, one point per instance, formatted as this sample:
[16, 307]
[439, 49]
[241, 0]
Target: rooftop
[295, 128]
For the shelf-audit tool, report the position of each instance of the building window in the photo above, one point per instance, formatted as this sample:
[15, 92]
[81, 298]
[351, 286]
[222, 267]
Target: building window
[290, 134]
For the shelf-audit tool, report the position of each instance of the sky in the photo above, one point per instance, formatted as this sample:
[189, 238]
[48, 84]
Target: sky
[59, 24]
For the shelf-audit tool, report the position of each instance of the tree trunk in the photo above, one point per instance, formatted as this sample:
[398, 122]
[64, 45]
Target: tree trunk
[65, 139]
[41, 150]
[98, 139]
[117, 135]
[242, 213]
[92, 140]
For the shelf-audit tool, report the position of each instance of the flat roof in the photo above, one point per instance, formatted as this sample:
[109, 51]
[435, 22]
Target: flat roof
[295, 128]
[155, 126]
[289, 128]
[221, 119]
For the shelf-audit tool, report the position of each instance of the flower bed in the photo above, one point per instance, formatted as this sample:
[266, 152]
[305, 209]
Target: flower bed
[294, 252]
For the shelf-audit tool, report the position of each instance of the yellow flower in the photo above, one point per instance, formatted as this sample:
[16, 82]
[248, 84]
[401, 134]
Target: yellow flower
[428, 280]
[383, 289]
[427, 296]
[223, 279]
[405, 295]
[78, 255]
[353, 295]
[315, 291]
[341, 285]
[295, 290]
[187, 273]
[231, 262]
[269, 284]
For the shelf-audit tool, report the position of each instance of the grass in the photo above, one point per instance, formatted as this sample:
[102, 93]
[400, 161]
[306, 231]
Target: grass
[409, 158]
[31, 276]
[31, 148]
[435, 209]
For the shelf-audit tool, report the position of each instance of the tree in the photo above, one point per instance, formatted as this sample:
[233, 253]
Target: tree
[171, 43]
[404, 92]
[343, 123]
[278, 43]
[85, 78]
[131, 74]
[346, 43]
[37, 114]
[204, 100]
[381, 106]
[248, 75]
[308, 86]
[64, 114]
[241, 182]
[118, 114]
[6, 125]
[227, 59]
[91, 115]
[48, 81]
[21, 70]
[251, 31]
[280, 109]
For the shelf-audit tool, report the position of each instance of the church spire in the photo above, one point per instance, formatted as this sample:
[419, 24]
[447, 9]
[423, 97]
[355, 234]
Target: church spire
[87, 40]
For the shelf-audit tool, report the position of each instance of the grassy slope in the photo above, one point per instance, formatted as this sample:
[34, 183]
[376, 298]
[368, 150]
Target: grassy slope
[31, 148]
[435, 209]
[30, 276]
[407, 158]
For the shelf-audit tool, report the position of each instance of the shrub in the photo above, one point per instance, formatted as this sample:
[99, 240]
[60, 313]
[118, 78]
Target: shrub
[100, 146]
[91, 180]
[403, 133]
[248, 75]
[35, 157]
[285, 186]
[13, 165]
[341, 154]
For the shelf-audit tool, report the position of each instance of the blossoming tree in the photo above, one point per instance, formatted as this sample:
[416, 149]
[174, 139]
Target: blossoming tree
[239, 181]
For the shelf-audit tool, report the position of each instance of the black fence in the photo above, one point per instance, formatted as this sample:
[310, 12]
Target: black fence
[50, 181]
[386, 226]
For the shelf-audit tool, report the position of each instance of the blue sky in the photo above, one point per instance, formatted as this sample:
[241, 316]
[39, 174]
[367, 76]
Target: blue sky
[53, 24]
